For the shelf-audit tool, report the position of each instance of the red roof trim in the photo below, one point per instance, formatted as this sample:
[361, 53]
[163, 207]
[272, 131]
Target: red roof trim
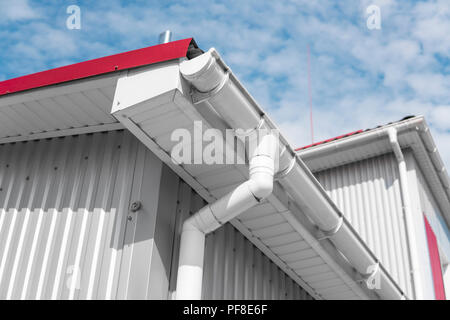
[329, 140]
[116, 62]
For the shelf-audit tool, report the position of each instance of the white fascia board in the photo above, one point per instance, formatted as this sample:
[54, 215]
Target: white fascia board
[137, 87]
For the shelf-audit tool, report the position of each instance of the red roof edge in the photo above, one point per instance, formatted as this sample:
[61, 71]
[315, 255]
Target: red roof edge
[116, 62]
[329, 140]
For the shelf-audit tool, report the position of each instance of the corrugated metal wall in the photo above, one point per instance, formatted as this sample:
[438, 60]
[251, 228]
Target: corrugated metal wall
[368, 193]
[236, 269]
[63, 211]
[66, 231]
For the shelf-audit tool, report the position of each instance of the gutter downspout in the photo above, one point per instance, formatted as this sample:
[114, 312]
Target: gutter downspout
[211, 217]
[407, 212]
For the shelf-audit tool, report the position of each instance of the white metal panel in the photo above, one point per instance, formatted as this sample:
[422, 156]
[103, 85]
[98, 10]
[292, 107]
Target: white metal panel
[368, 194]
[236, 269]
[64, 202]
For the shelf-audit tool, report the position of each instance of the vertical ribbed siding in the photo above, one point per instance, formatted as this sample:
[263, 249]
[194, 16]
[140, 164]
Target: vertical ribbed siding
[233, 267]
[66, 231]
[368, 193]
[63, 203]
[236, 269]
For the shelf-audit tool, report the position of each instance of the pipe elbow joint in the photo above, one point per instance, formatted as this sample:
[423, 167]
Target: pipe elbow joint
[203, 221]
[261, 186]
[190, 224]
[203, 72]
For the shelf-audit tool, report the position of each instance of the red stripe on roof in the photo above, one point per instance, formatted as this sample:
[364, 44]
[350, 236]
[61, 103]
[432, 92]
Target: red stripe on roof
[329, 140]
[116, 62]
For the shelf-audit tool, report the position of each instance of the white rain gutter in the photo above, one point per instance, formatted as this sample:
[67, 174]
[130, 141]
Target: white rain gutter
[215, 85]
[213, 216]
[410, 231]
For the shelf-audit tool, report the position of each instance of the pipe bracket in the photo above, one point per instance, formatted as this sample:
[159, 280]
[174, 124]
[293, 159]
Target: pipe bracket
[329, 233]
[258, 127]
[370, 277]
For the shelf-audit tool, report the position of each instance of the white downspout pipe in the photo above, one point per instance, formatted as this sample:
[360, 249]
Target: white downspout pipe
[211, 217]
[407, 213]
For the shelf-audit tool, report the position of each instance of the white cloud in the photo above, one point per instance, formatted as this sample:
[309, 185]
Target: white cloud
[439, 118]
[17, 10]
[360, 78]
[430, 85]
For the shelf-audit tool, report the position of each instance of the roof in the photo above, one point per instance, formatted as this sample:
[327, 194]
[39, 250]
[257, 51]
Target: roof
[77, 98]
[85, 69]
[329, 140]
[346, 135]
[413, 133]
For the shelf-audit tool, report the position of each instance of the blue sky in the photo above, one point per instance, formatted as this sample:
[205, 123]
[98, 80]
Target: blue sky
[360, 78]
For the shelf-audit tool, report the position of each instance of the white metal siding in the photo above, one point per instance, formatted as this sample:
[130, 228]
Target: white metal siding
[368, 193]
[62, 202]
[66, 231]
[236, 269]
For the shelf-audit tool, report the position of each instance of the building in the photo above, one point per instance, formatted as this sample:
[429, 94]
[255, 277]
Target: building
[384, 180]
[93, 205]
